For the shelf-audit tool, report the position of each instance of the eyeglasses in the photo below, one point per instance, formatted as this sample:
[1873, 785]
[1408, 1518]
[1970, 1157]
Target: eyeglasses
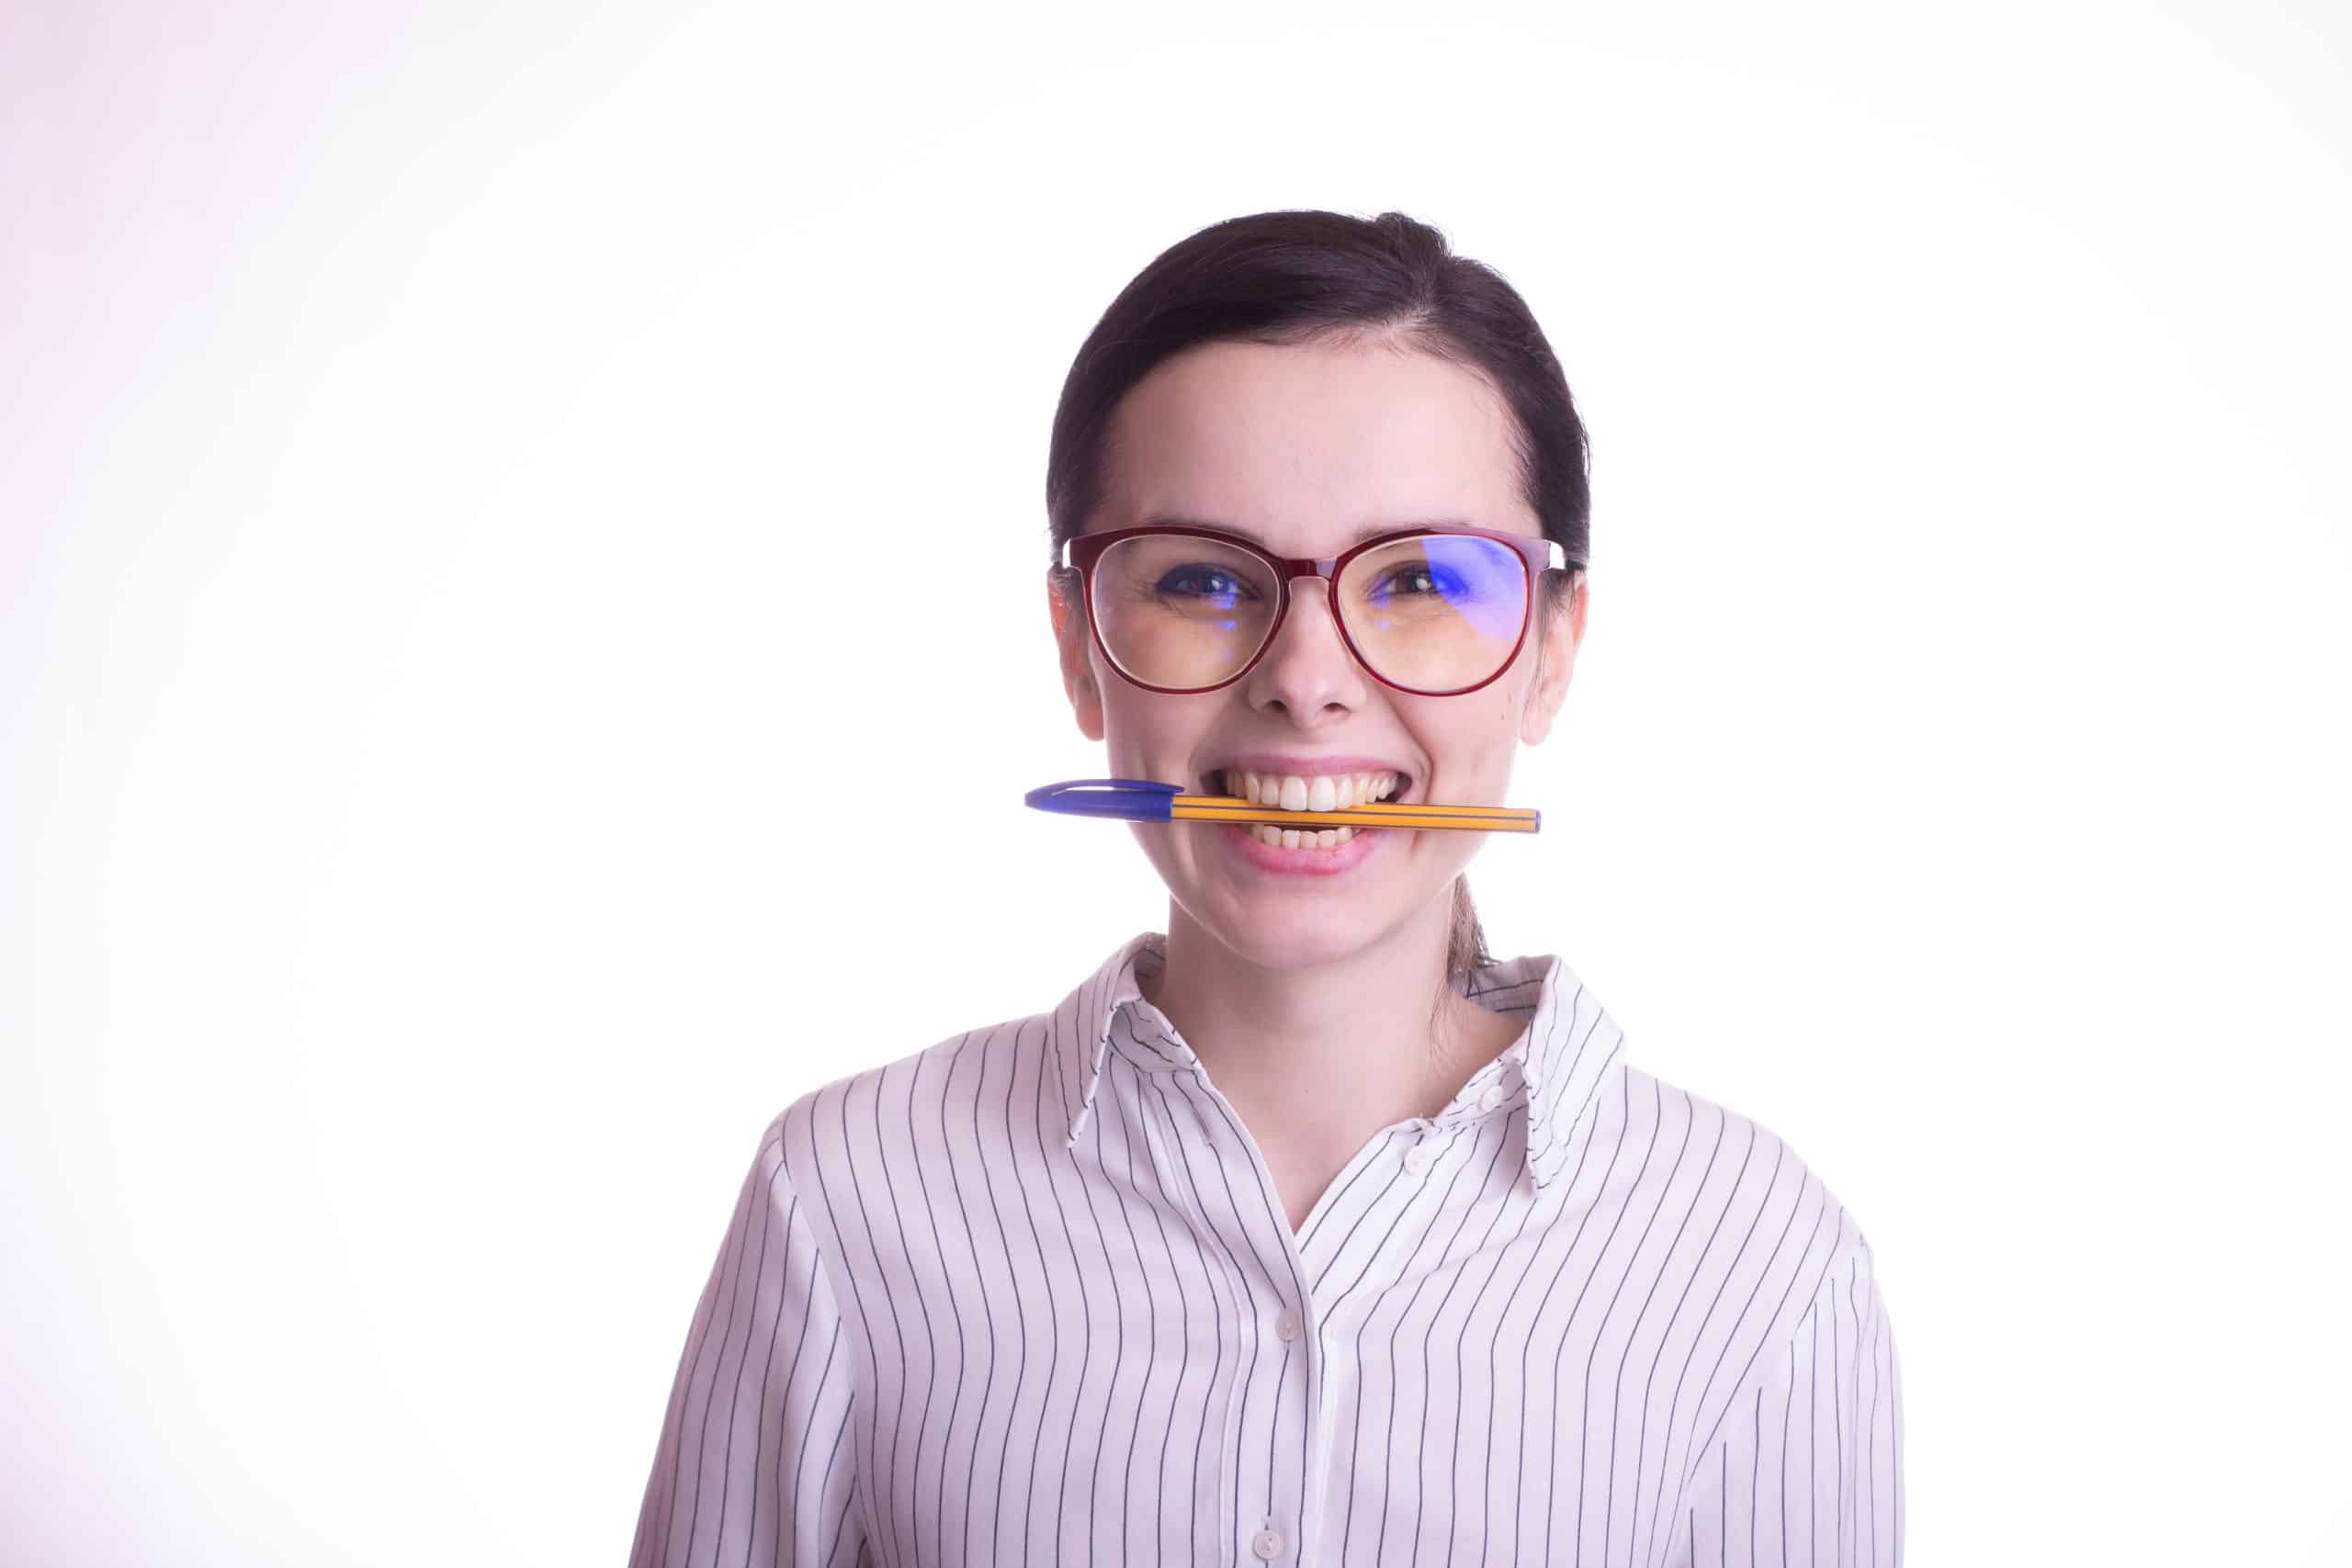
[1434, 611]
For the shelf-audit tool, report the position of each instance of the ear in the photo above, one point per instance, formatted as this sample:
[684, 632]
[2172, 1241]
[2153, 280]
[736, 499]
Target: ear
[1070, 639]
[1556, 662]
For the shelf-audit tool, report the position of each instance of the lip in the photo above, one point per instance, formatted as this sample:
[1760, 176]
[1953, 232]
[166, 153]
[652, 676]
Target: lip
[1248, 848]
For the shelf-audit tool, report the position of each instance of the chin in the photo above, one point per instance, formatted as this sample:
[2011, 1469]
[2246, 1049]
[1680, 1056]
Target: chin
[1297, 943]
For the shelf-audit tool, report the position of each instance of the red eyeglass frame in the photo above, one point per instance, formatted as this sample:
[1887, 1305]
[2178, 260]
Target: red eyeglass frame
[1087, 548]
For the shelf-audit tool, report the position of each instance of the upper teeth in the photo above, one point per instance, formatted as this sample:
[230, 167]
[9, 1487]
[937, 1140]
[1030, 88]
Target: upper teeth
[1323, 792]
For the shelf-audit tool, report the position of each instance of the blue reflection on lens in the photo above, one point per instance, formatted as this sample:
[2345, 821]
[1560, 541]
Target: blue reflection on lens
[1492, 593]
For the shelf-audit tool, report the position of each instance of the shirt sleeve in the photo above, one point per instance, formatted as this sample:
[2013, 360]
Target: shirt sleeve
[756, 1461]
[1807, 1467]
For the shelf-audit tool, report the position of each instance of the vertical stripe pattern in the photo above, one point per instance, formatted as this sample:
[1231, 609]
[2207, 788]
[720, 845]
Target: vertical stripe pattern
[1029, 1296]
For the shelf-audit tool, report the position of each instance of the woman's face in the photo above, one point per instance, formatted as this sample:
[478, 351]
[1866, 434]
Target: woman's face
[1300, 448]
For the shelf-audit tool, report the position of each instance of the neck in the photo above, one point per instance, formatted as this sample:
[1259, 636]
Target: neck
[1329, 1053]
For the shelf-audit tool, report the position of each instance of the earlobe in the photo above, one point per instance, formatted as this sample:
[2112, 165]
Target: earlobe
[1089, 704]
[1536, 722]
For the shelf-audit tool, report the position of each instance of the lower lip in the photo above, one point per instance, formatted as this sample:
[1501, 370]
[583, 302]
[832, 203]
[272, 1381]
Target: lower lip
[1301, 861]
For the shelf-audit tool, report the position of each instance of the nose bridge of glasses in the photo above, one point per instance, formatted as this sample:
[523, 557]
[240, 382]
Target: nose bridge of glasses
[1297, 572]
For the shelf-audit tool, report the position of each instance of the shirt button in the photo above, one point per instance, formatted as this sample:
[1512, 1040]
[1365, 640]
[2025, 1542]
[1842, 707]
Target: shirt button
[1417, 1159]
[1491, 1098]
[1287, 1326]
[1267, 1544]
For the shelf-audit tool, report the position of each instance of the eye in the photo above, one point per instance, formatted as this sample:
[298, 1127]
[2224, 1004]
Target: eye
[1202, 582]
[1443, 583]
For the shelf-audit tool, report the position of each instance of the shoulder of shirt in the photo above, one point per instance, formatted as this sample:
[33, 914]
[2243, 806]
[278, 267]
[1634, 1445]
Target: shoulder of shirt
[1813, 1252]
[1810, 1266]
[859, 1145]
[1765, 1155]
[924, 1069]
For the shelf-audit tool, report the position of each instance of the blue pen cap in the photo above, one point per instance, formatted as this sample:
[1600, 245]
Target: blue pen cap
[1136, 800]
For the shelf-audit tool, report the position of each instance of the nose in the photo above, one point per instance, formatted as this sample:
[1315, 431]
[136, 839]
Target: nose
[1309, 665]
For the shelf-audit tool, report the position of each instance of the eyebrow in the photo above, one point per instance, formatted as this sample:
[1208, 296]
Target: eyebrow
[1177, 520]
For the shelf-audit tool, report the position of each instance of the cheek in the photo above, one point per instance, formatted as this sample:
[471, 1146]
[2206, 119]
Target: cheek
[1475, 744]
[1150, 733]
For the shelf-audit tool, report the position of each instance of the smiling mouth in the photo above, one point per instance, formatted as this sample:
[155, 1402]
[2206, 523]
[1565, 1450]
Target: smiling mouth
[1295, 792]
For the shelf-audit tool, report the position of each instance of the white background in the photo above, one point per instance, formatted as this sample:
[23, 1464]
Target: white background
[429, 439]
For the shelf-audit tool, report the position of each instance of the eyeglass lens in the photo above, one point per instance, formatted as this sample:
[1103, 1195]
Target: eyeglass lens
[1435, 613]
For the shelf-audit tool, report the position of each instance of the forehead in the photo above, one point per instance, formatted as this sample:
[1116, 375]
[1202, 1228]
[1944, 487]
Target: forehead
[1301, 444]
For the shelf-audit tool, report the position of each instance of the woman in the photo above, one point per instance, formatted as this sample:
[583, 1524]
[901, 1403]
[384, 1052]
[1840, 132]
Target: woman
[1307, 1231]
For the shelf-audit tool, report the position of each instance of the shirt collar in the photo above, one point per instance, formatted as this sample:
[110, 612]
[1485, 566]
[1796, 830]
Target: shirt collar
[1554, 1069]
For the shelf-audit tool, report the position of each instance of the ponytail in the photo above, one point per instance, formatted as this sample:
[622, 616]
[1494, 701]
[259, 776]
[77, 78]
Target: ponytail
[1465, 947]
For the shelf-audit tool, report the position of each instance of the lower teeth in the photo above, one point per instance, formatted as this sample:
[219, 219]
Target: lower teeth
[1300, 838]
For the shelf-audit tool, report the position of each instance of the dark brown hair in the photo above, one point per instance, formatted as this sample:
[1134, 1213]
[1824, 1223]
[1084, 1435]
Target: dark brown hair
[1297, 276]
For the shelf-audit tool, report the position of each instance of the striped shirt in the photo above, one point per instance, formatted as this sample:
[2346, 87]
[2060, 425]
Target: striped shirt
[1028, 1296]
